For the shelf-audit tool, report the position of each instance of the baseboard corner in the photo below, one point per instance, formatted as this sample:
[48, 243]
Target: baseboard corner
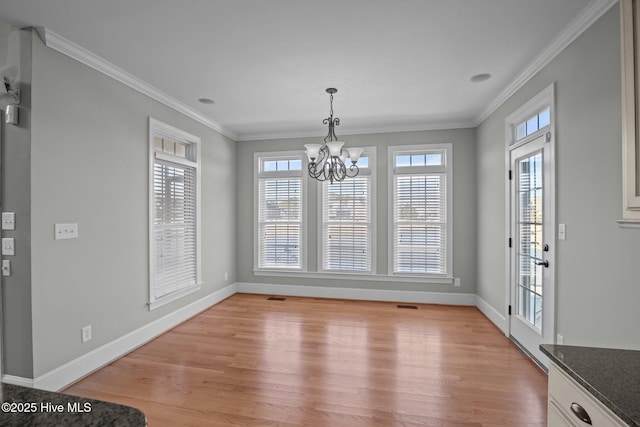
[492, 314]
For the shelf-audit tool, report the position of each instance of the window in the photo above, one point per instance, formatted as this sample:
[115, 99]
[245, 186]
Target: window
[533, 124]
[280, 211]
[174, 213]
[346, 212]
[420, 201]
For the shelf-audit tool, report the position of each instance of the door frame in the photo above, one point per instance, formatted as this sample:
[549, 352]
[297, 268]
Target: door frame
[543, 99]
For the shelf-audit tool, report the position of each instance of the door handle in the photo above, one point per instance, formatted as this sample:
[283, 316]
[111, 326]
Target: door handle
[544, 263]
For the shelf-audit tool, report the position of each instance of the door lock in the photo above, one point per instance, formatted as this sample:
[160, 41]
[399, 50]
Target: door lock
[544, 263]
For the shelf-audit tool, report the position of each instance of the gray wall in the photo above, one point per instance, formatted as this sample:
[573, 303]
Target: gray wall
[464, 207]
[597, 265]
[16, 197]
[89, 164]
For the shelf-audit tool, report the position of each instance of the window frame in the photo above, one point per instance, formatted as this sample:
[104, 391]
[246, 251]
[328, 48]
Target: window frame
[370, 170]
[630, 77]
[447, 169]
[160, 129]
[258, 158]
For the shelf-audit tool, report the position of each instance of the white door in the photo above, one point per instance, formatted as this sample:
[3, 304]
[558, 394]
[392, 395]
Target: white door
[532, 240]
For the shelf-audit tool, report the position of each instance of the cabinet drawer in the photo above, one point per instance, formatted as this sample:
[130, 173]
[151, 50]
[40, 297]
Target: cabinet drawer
[565, 392]
[557, 418]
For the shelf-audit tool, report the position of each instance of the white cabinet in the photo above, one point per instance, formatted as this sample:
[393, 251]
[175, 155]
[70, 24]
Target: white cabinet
[571, 405]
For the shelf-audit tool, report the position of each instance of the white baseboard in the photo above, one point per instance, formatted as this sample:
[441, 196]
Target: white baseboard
[492, 314]
[449, 298]
[12, 379]
[72, 371]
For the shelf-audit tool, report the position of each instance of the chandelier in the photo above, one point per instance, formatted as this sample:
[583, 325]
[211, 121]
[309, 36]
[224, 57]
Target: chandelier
[327, 162]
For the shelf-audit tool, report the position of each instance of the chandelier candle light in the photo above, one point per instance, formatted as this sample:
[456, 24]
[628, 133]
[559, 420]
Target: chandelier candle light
[327, 162]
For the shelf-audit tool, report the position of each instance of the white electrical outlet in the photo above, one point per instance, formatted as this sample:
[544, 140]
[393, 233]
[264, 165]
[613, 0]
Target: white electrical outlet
[456, 282]
[86, 333]
[226, 276]
[559, 339]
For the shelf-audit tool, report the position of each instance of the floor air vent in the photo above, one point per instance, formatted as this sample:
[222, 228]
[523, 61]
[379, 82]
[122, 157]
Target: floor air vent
[412, 307]
[276, 298]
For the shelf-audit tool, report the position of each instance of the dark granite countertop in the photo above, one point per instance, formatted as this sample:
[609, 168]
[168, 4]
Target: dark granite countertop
[22, 406]
[611, 376]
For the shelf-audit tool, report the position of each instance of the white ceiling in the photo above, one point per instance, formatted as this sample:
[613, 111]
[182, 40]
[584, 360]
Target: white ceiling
[398, 65]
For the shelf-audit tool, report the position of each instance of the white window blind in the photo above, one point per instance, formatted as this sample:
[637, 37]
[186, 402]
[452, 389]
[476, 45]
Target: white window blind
[420, 217]
[346, 224]
[280, 227]
[174, 231]
[420, 224]
[174, 227]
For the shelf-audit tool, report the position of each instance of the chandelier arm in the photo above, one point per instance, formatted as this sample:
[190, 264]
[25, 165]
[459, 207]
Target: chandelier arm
[341, 170]
[313, 173]
[353, 171]
[323, 156]
[317, 168]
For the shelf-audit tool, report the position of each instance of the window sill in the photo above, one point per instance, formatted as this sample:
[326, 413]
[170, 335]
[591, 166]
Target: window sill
[628, 223]
[166, 299]
[443, 280]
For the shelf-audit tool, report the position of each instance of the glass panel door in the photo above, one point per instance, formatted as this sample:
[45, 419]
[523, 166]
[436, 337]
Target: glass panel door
[531, 274]
[529, 232]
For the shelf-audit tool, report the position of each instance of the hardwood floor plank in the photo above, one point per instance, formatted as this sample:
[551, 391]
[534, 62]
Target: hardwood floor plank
[249, 361]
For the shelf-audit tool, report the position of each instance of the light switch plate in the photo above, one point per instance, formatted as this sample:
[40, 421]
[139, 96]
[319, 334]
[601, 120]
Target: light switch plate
[8, 220]
[66, 231]
[562, 231]
[8, 246]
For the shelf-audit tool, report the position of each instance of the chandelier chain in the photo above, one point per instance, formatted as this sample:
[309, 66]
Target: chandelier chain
[331, 106]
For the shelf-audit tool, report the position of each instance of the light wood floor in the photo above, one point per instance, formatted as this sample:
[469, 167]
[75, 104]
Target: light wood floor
[249, 361]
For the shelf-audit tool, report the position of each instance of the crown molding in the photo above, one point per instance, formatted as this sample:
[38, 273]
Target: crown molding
[72, 50]
[359, 131]
[590, 14]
